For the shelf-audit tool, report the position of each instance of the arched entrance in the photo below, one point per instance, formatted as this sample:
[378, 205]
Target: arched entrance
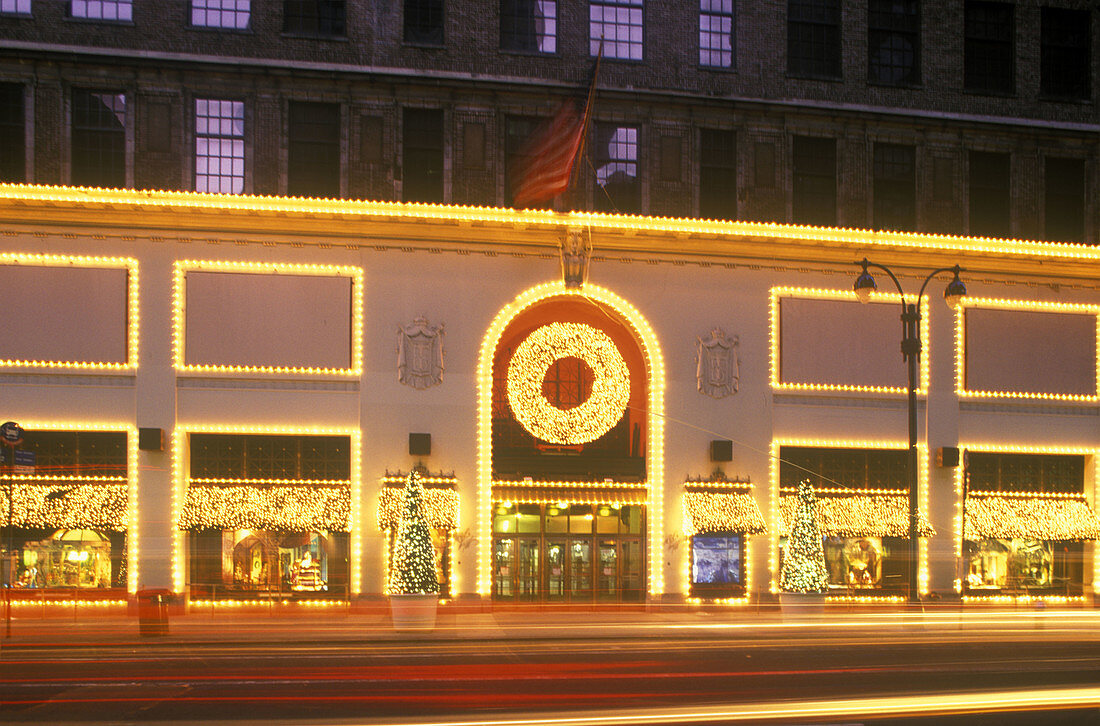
[570, 435]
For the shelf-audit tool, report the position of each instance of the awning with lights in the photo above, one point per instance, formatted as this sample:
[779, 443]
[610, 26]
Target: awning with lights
[282, 508]
[440, 506]
[858, 515]
[98, 505]
[1043, 518]
[722, 511]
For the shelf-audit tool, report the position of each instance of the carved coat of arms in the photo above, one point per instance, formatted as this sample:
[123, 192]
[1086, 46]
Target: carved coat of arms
[420, 354]
[718, 368]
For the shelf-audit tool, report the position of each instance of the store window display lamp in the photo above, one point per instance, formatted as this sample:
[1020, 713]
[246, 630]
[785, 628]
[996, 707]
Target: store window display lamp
[910, 350]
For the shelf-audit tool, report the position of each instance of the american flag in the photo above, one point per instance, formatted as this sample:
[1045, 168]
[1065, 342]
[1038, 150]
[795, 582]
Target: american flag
[545, 164]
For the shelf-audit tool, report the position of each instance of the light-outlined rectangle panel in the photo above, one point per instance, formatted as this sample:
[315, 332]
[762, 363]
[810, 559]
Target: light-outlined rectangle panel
[1028, 350]
[272, 318]
[826, 340]
[69, 311]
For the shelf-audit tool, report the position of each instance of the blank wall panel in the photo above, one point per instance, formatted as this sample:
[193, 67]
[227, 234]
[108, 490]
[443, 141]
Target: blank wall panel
[840, 343]
[253, 320]
[63, 314]
[1023, 351]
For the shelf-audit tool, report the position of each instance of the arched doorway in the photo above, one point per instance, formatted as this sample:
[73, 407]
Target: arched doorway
[570, 432]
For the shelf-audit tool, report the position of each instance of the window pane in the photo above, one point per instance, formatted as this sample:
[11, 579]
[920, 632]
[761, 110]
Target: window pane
[219, 148]
[1065, 200]
[20, 7]
[13, 135]
[716, 33]
[221, 13]
[314, 17]
[893, 42]
[120, 10]
[423, 155]
[313, 158]
[616, 151]
[813, 38]
[814, 181]
[616, 26]
[988, 53]
[529, 25]
[717, 175]
[1066, 46]
[98, 138]
[989, 194]
[424, 22]
[895, 192]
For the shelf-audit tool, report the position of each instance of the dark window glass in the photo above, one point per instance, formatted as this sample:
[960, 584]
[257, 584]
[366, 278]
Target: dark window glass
[717, 175]
[814, 181]
[99, 138]
[424, 22]
[314, 17]
[989, 194]
[616, 156]
[1065, 200]
[13, 134]
[313, 153]
[989, 56]
[893, 42]
[518, 130]
[1044, 473]
[423, 155]
[529, 25]
[813, 38]
[895, 189]
[1066, 66]
[256, 456]
[76, 453]
[855, 468]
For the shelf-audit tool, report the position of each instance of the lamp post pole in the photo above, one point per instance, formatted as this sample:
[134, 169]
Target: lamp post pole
[910, 350]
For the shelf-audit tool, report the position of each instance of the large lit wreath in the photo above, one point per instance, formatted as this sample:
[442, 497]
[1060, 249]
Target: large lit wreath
[610, 387]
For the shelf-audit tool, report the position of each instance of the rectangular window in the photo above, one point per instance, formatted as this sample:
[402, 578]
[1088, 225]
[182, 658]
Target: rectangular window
[849, 468]
[315, 17]
[529, 25]
[118, 10]
[15, 7]
[423, 155]
[13, 134]
[895, 187]
[814, 181]
[98, 138]
[717, 175]
[893, 42]
[1065, 55]
[313, 153]
[616, 26]
[716, 33]
[989, 52]
[989, 194]
[274, 456]
[78, 453]
[518, 131]
[616, 156]
[232, 14]
[424, 22]
[219, 146]
[716, 565]
[1025, 473]
[1065, 200]
[813, 38]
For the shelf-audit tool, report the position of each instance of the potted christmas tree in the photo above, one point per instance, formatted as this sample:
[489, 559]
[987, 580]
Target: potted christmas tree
[414, 587]
[803, 578]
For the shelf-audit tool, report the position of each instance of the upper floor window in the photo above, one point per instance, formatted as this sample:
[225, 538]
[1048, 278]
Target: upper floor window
[615, 26]
[893, 42]
[120, 10]
[219, 146]
[717, 174]
[895, 187]
[813, 38]
[989, 194]
[277, 456]
[221, 13]
[313, 150]
[989, 54]
[716, 33]
[78, 453]
[1030, 473]
[814, 181]
[13, 134]
[1066, 67]
[616, 158]
[314, 17]
[424, 22]
[1065, 199]
[529, 25]
[422, 167]
[16, 7]
[855, 468]
[98, 138]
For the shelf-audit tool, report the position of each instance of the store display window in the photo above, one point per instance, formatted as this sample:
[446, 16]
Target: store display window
[1014, 565]
[70, 558]
[262, 563]
[854, 562]
[717, 568]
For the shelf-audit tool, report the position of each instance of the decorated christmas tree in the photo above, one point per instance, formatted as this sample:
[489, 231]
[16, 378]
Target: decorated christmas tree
[413, 567]
[804, 559]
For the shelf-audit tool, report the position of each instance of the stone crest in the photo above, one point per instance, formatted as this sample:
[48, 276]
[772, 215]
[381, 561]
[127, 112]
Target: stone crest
[576, 252]
[420, 354]
[718, 368]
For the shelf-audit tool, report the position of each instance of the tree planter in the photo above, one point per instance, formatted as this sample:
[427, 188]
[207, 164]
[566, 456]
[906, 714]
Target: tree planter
[802, 606]
[413, 612]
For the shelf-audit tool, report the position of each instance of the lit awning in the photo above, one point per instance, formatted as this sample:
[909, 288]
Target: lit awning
[67, 506]
[440, 507]
[858, 515]
[722, 511]
[283, 508]
[1045, 518]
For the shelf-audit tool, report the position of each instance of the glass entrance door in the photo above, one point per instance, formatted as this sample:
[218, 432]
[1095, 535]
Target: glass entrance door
[555, 570]
[607, 571]
[580, 570]
[529, 573]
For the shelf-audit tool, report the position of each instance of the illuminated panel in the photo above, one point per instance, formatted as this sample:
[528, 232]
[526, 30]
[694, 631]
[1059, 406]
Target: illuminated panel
[654, 422]
[179, 306]
[1021, 305]
[180, 456]
[778, 294]
[133, 548]
[776, 509]
[960, 473]
[732, 502]
[133, 326]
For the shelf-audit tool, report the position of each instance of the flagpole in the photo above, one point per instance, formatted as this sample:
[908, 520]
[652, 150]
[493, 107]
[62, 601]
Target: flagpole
[585, 121]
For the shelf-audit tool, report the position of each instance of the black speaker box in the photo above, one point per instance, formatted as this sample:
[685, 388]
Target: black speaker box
[420, 444]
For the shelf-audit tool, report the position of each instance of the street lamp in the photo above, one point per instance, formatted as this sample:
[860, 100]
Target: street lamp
[910, 351]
